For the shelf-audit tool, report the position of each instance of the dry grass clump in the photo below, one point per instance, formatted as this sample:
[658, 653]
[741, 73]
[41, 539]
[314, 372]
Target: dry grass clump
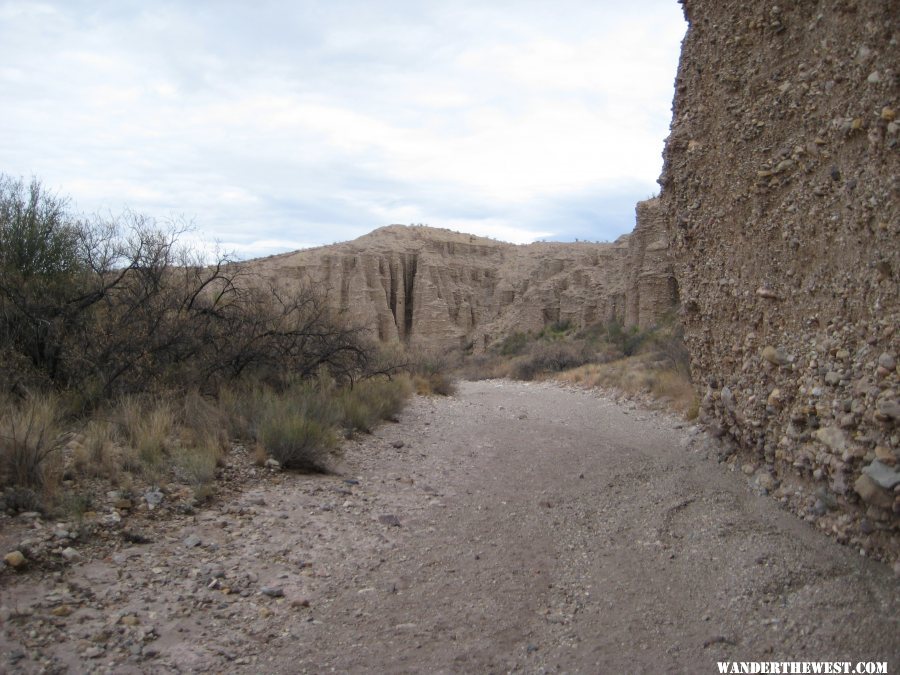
[431, 372]
[639, 375]
[370, 401]
[30, 443]
[299, 429]
[98, 455]
[147, 426]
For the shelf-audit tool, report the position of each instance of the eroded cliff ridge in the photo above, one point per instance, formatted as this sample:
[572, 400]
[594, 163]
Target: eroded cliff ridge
[439, 289]
[780, 194]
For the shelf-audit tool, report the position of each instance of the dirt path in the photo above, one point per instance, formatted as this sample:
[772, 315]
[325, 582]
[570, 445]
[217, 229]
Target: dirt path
[518, 527]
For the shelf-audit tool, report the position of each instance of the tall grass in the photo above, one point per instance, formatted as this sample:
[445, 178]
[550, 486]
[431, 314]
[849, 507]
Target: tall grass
[30, 441]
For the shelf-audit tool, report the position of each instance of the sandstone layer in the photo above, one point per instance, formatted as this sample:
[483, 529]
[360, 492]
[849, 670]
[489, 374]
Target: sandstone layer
[781, 198]
[438, 289]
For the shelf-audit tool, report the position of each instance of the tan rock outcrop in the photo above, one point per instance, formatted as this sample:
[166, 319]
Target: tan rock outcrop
[435, 288]
[781, 197]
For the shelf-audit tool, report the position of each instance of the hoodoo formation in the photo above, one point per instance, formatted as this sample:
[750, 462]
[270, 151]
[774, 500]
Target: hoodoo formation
[434, 288]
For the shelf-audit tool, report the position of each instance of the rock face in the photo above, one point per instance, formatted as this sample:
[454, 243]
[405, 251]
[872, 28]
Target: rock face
[439, 289]
[781, 199]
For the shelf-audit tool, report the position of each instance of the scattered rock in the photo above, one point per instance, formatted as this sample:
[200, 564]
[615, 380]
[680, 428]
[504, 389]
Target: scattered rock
[887, 361]
[192, 541]
[71, 555]
[887, 477]
[872, 493]
[135, 537]
[389, 519]
[833, 437]
[775, 356]
[272, 591]
[153, 498]
[15, 559]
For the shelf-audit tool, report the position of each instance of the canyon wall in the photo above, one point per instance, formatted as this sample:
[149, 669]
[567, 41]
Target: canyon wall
[780, 195]
[438, 289]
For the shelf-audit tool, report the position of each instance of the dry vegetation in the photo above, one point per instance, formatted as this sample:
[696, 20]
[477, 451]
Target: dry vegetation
[652, 363]
[128, 358]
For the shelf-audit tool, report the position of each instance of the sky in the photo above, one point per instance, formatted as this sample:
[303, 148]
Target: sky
[276, 125]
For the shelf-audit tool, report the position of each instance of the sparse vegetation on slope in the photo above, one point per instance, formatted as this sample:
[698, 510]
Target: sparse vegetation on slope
[154, 358]
[652, 362]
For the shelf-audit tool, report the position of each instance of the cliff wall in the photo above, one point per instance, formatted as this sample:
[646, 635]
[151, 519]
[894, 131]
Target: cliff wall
[439, 289]
[780, 194]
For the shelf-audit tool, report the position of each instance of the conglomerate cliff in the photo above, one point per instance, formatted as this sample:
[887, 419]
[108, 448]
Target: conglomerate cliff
[780, 193]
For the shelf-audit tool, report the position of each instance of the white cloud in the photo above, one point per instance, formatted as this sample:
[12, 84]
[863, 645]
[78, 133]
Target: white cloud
[288, 122]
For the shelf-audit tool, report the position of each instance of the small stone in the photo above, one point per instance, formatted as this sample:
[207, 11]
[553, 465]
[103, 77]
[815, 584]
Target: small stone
[71, 555]
[887, 408]
[398, 444]
[302, 601]
[153, 498]
[273, 464]
[62, 610]
[129, 620]
[888, 114]
[272, 591]
[784, 165]
[887, 361]
[832, 378]
[389, 519]
[872, 493]
[874, 77]
[886, 476]
[833, 437]
[774, 356]
[192, 541]
[124, 504]
[766, 293]
[748, 469]
[14, 559]
[93, 652]
[884, 455]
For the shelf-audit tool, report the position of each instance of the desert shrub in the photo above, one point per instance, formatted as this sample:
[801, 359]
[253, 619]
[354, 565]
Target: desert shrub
[371, 400]
[552, 357]
[30, 443]
[484, 366]
[105, 307]
[431, 371]
[357, 414]
[514, 343]
[297, 440]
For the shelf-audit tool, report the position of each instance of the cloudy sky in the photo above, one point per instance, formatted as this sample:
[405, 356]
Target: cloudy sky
[277, 124]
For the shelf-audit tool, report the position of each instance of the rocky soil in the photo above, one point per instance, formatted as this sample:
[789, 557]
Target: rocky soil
[513, 528]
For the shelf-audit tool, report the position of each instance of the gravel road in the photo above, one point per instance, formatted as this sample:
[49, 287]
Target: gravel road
[514, 527]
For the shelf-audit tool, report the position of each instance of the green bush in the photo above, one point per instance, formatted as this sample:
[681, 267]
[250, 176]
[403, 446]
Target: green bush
[514, 344]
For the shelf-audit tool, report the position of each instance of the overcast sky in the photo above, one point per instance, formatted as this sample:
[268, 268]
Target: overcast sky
[280, 124]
